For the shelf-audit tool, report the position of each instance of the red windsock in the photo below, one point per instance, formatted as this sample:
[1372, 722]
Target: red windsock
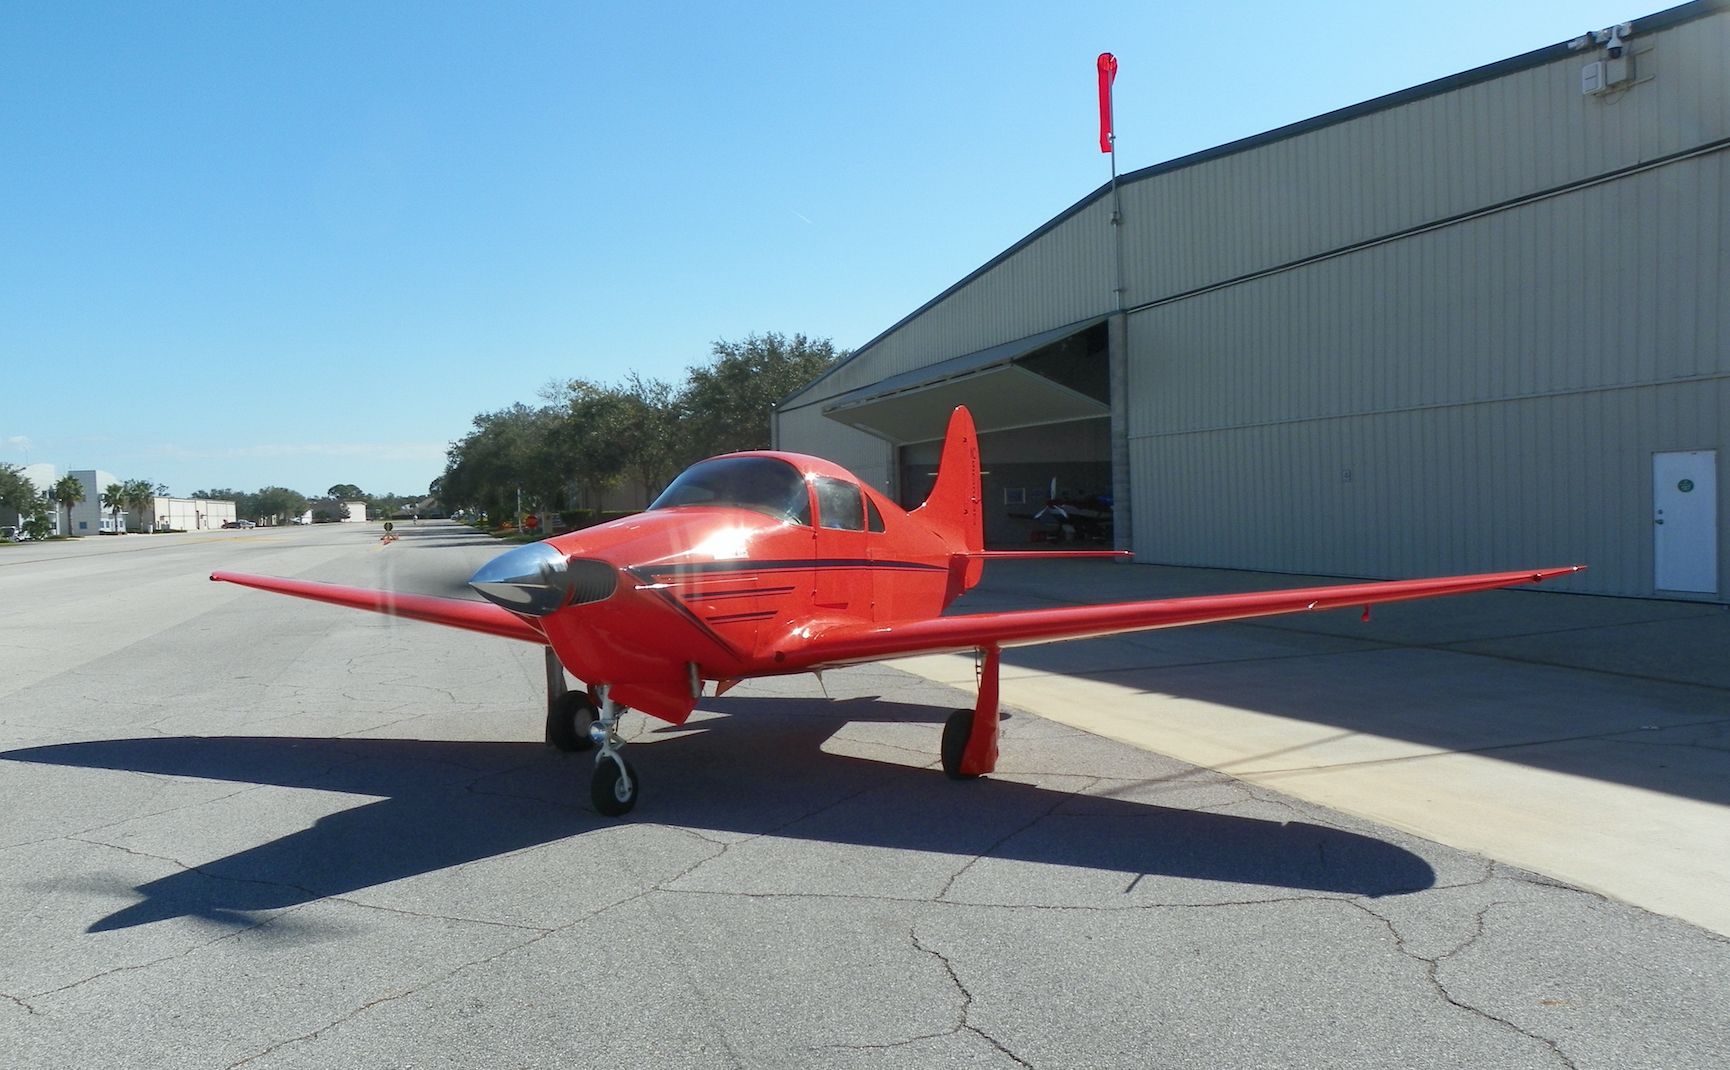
[1107, 75]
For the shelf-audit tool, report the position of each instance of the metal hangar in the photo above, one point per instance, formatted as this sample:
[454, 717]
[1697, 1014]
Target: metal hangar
[1477, 324]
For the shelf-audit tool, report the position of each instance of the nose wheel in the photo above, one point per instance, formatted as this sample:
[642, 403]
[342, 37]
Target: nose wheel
[613, 788]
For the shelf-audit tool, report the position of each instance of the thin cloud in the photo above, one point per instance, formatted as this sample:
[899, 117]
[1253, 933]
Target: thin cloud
[384, 451]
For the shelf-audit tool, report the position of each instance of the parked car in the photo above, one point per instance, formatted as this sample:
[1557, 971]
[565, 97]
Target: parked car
[12, 534]
[238, 524]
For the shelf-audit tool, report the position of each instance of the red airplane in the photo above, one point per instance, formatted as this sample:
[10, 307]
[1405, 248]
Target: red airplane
[767, 563]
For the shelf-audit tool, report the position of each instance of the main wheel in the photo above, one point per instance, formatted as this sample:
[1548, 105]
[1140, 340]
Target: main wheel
[955, 732]
[612, 794]
[569, 718]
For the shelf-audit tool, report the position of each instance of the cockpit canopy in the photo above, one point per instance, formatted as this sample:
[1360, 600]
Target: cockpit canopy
[765, 484]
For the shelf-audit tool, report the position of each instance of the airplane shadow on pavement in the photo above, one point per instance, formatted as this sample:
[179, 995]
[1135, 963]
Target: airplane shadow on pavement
[758, 770]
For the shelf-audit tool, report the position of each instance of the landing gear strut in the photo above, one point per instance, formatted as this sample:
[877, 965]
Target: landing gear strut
[570, 714]
[575, 723]
[970, 736]
[613, 790]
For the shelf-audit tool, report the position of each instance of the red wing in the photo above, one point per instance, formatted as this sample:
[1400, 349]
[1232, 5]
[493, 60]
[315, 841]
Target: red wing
[1021, 627]
[454, 612]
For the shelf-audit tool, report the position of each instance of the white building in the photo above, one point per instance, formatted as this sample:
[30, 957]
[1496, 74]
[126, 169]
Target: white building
[89, 515]
[191, 514]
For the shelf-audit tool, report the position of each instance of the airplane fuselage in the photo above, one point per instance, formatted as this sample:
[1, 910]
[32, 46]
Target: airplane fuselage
[724, 591]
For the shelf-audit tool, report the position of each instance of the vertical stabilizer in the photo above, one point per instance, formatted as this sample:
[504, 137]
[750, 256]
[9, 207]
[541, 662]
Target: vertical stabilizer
[953, 508]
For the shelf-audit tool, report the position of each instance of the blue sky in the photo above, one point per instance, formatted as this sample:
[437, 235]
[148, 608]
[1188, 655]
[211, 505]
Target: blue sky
[301, 244]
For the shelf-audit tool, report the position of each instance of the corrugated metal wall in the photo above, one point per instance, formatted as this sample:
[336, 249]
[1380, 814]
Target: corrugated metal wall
[1446, 334]
[1422, 161]
[1482, 395]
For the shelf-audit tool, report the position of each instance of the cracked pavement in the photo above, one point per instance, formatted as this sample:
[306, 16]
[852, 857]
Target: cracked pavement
[243, 830]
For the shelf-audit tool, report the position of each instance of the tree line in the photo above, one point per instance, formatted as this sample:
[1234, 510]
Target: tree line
[279, 503]
[587, 437]
[136, 497]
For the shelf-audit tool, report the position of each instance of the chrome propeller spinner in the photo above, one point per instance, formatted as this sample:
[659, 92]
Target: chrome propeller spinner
[533, 579]
[536, 580]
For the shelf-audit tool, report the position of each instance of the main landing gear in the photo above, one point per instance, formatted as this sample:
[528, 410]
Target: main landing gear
[570, 714]
[969, 746]
[575, 723]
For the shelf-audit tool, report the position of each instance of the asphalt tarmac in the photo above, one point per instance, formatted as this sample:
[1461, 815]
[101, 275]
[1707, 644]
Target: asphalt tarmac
[238, 829]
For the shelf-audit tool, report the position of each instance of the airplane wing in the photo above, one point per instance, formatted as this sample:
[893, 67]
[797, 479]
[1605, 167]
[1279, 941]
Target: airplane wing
[851, 643]
[454, 612]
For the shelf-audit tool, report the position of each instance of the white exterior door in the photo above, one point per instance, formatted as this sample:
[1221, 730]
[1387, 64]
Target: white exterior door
[1685, 521]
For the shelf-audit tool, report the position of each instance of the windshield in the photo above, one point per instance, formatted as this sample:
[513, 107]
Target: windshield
[761, 483]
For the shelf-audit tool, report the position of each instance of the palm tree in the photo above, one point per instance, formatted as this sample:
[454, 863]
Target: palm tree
[114, 500]
[140, 496]
[68, 491]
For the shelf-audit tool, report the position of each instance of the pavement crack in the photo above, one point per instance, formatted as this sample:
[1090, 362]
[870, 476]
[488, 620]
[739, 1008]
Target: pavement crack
[79, 834]
[14, 999]
[943, 893]
[311, 893]
[392, 997]
[961, 1022]
[362, 1009]
[425, 916]
[151, 964]
[1433, 973]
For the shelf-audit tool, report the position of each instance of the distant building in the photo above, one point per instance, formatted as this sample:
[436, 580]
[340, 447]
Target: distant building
[354, 511]
[190, 514]
[89, 516]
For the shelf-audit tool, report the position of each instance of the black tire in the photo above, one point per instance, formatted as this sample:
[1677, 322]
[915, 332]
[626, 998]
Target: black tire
[604, 789]
[955, 732]
[569, 718]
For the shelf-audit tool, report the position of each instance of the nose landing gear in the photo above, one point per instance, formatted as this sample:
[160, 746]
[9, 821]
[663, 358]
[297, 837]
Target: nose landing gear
[575, 723]
[613, 789]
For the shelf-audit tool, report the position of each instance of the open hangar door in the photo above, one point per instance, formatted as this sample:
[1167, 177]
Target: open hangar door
[1043, 409]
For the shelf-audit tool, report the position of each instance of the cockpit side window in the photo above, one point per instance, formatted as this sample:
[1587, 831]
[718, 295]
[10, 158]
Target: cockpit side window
[764, 484]
[874, 519]
[840, 504]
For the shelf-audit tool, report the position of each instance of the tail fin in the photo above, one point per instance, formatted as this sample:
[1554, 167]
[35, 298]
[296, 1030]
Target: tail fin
[953, 507]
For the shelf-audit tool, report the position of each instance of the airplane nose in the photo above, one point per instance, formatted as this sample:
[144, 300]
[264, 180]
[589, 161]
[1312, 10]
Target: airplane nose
[537, 580]
[532, 579]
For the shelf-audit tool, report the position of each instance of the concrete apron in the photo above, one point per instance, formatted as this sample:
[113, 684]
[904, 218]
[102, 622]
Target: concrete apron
[1610, 781]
